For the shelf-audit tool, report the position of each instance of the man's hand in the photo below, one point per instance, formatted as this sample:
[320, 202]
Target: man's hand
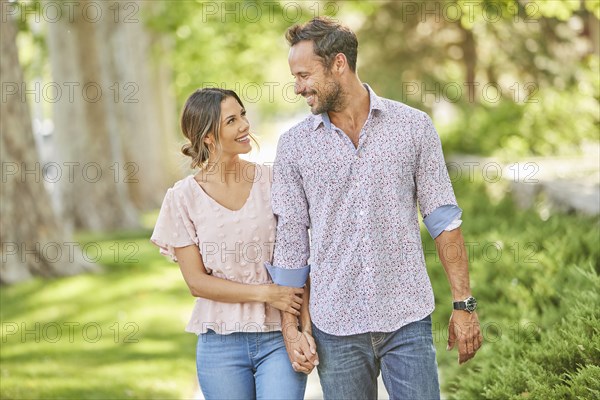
[464, 329]
[301, 349]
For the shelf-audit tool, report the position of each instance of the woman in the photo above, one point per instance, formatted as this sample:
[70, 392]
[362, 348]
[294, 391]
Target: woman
[219, 226]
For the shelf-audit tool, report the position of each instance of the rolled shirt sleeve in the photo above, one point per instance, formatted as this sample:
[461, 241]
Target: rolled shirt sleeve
[435, 195]
[441, 219]
[290, 257]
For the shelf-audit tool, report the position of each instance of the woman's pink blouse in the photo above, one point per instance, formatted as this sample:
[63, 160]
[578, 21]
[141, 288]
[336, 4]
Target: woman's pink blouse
[234, 245]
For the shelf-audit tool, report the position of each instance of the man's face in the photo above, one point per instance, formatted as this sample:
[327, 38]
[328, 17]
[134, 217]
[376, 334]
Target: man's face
[313, 82]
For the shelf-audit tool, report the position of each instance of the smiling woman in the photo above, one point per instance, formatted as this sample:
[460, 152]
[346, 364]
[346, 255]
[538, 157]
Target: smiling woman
[220, 228]
[211, 116]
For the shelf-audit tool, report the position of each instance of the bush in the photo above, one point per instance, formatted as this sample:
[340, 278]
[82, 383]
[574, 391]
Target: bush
[539, 304]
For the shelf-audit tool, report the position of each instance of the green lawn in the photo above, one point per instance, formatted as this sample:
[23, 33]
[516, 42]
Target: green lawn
[119, 334]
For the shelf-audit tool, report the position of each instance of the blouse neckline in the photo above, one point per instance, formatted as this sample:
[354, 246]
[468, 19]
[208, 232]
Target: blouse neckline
[210, 198]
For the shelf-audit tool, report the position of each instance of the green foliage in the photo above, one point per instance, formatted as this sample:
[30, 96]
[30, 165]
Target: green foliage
[238, 45]
[533, 68]
[550, 122]
[537, 285]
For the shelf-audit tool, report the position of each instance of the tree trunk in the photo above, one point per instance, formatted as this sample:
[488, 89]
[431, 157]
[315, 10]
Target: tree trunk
[93, 193]
[470, 59]
[144, 108]
[34, 243]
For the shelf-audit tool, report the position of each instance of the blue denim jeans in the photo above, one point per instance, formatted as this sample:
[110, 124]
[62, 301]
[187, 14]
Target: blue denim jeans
[349, 365]
[246, 365]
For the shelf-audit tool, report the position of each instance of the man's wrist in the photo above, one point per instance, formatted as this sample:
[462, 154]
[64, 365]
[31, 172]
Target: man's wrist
[468, 304]
[460, 296]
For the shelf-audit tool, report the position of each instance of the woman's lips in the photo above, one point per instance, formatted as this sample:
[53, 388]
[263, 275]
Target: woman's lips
[243, 139]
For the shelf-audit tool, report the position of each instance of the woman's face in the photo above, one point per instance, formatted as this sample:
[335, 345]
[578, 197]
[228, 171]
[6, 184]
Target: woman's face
[235, 129]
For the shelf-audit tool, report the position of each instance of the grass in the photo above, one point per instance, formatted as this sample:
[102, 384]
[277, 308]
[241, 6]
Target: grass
[117, 334]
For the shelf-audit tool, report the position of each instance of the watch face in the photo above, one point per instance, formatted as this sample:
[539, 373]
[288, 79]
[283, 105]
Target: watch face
[471, 304]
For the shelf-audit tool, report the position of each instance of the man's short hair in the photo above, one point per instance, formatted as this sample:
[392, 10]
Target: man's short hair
[329, 39]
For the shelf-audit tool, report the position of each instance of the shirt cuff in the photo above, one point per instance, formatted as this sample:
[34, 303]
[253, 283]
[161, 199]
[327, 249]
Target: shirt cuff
[441, 218]
[454, 224]
[288, 277]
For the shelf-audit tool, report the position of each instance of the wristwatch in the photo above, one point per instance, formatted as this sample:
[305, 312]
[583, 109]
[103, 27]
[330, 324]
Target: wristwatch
[469, 304]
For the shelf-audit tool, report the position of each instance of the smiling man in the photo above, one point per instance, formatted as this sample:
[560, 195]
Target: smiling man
[354, 173]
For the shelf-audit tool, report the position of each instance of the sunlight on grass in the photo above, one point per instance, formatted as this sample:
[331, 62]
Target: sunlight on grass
[116, 334]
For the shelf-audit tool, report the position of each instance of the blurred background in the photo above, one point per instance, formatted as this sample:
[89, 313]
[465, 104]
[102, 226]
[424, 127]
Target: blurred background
[91, 96]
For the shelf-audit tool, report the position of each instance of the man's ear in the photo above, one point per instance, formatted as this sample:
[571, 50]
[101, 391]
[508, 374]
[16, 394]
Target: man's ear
[340, 63]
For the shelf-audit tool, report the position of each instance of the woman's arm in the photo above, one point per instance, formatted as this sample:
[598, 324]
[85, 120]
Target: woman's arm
[201, 284]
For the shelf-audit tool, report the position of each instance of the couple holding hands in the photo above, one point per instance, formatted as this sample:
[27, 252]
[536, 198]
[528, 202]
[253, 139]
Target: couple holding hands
[352, 172]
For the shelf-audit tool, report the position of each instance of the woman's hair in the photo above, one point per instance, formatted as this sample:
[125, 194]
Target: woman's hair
[329, 39]
[201, 116]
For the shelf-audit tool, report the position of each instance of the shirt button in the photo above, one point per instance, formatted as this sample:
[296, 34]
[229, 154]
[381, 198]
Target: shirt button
[367, 269]
[361, 213]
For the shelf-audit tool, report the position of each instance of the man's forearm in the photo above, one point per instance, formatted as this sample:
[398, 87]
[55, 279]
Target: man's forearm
[453, 255]
[305, 322]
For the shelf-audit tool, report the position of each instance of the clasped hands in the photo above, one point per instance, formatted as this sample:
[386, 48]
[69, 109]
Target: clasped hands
[300, 346]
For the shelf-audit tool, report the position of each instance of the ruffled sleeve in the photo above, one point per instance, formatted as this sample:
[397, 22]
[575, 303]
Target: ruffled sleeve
[174, 227]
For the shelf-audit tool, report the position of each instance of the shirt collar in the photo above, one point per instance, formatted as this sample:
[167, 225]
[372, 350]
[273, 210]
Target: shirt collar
[375, 103]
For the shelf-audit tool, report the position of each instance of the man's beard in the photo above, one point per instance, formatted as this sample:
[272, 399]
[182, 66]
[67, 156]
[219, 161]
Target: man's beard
[330, 99]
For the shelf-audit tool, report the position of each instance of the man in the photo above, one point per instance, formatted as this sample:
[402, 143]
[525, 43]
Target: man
[353, 172]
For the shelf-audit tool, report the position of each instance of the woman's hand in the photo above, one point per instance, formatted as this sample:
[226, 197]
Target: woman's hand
[284, 298]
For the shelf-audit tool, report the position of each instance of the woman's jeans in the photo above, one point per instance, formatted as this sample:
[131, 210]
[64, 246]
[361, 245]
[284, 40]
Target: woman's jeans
[349, 365]
[246, 365]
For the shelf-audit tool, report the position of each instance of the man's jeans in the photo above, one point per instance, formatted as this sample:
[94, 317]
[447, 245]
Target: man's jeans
[349, 365]
[246, 366]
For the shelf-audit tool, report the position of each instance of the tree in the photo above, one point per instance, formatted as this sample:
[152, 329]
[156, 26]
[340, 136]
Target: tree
[87, 143]
[33, 239]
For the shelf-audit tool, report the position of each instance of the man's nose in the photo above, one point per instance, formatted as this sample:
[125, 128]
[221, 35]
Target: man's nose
[298, 87]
